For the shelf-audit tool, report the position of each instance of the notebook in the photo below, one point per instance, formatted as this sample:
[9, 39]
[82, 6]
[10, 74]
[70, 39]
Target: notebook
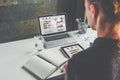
[45, 65]
[54, 30]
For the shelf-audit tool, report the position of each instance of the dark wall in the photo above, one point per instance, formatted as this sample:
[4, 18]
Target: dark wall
[74, 9]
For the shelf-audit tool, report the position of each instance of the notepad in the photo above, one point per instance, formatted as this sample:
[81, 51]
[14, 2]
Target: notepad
[45, 63]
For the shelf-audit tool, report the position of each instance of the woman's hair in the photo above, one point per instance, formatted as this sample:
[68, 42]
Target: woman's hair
[111, 8]
[116, 65]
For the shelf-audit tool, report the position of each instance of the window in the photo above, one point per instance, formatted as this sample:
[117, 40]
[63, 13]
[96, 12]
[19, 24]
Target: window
[19, 18]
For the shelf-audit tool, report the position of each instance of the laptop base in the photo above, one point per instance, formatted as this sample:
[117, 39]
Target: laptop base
[59, 42]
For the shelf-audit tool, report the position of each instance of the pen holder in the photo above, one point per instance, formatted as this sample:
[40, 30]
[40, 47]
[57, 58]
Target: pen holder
[82, 28]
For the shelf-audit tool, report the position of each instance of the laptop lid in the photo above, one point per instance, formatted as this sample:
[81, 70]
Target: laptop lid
[52, 24]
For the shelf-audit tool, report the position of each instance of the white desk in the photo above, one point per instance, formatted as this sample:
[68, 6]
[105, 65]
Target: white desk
[14, 54]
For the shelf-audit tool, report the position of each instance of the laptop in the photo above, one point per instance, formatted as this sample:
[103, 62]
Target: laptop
[54, 31]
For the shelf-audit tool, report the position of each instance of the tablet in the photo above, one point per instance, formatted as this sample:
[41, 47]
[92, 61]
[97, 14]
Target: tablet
[69, 51]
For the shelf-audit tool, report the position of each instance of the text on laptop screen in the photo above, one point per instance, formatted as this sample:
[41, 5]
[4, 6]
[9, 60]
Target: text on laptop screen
[52, 24]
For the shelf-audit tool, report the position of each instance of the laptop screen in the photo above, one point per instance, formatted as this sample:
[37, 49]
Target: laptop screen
[52, 24]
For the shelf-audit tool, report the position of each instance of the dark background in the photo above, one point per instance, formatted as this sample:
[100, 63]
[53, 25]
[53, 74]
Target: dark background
[74, 9]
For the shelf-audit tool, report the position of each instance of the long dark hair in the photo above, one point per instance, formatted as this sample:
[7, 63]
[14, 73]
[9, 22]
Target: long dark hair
[116, 65]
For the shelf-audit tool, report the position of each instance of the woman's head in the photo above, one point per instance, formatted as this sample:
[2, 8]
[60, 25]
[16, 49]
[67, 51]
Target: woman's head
[109, 10]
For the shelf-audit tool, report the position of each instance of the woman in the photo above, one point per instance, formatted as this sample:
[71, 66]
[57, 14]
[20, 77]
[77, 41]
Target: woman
[101, 61]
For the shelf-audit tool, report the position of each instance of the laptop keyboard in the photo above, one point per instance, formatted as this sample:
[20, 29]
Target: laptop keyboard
[55, 37]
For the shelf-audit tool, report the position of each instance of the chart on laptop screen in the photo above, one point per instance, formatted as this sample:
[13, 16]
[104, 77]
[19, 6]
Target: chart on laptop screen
[52, 24]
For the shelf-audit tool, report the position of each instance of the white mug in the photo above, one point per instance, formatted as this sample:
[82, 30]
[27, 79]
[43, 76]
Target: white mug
[38, 43]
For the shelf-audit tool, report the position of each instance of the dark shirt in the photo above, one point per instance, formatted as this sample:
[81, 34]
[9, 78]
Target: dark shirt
[94, 63]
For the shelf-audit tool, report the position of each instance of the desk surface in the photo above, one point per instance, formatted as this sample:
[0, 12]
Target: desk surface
[14, 54]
